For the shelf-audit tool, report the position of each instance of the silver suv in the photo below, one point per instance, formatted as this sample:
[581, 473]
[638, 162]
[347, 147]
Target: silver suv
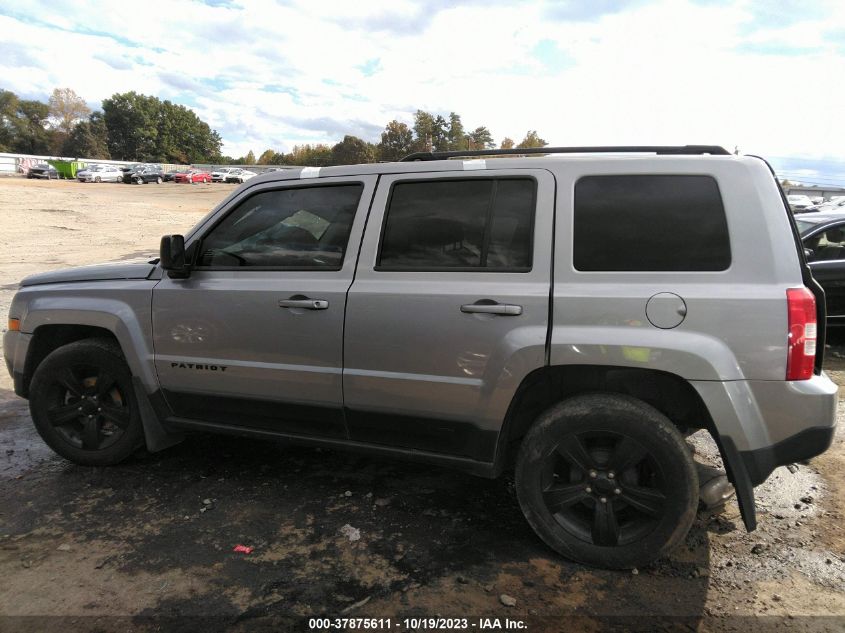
[571, 316]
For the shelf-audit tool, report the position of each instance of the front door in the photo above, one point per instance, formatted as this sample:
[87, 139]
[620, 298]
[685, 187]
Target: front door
[449, 309]
[254, 337]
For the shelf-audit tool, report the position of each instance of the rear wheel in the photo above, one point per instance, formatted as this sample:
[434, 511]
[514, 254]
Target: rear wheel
[159, 180]
[83, 405]
[607, 480]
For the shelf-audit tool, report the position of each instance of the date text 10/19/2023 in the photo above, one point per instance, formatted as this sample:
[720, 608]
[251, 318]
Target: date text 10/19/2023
[416, 624]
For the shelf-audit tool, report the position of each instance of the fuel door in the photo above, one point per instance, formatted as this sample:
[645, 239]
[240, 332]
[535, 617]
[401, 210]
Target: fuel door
[666, 310]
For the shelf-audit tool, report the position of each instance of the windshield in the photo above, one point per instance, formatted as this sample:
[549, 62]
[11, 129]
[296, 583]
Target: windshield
[804, 226]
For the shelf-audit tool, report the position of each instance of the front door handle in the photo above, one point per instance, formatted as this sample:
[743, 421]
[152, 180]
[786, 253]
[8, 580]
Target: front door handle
[307, 304]
[505, 309]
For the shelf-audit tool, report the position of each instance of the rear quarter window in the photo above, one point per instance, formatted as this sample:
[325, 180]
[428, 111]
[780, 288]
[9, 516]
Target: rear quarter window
[650, 223]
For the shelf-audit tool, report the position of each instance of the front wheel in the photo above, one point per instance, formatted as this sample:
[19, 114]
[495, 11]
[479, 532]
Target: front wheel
[83, 405]
[139, 181]
[98, 179]
[607, 480]
[159, 180]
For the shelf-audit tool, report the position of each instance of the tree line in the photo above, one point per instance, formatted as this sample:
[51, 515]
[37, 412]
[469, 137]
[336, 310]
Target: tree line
[134, 126]
[428, 133]
[130, 126]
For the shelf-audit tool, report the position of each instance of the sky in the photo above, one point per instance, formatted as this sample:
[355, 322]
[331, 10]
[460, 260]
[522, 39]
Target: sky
[765, 76]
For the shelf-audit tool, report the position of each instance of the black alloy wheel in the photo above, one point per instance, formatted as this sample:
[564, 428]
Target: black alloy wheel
[83, 406]
[606, 479]
[604, 487]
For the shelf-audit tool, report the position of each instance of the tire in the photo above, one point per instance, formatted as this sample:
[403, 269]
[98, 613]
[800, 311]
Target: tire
[83, 405]
[98, 179]
[159, 180]
[607, 480]
[139, 181]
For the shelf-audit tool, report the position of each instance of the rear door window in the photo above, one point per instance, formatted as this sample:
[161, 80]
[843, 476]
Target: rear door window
[483, 224]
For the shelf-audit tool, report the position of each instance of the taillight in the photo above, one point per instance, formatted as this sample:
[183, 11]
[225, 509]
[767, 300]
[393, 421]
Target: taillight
[801, 355]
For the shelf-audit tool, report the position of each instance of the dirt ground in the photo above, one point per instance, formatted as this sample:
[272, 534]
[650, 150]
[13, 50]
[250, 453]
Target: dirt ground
[148, 545]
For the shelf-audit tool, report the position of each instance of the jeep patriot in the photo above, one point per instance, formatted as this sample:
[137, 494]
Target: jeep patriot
[569, 316]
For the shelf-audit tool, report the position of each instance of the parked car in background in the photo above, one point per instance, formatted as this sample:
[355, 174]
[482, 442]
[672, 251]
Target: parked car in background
[817, 199]
[823, 236]
[144, 175]
[219, 175]
[100, 173]
[192, 176]
[125, 169]
[835, 205]
[799, 202]
[240, 176]
[170, 176]
[43, 170]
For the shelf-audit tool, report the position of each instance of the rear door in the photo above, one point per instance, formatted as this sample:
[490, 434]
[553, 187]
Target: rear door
[449, 308]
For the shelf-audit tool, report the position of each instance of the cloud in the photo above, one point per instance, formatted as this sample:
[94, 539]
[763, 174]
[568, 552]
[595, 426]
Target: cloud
[275, 74]
[185, 82]
[332, 127]
[577, 10]
[822, 172]
[118, 63]
[764, 14]
[776, 48]
[17, 55]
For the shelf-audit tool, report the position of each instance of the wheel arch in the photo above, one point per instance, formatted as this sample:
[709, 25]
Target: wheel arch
[48, 338]
[669, 393]
[53, 325]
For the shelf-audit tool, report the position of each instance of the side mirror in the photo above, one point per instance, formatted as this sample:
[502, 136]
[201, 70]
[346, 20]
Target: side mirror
[809, 253]
[172, 255]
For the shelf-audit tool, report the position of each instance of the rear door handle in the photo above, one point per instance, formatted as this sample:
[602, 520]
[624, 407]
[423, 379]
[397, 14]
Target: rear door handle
[505, 309]
[307, 304]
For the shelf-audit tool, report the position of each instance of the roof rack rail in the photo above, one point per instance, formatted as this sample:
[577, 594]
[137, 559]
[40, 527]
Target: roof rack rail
[598, 149]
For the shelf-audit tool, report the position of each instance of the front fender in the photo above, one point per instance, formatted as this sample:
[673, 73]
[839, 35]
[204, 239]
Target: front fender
[122, 308]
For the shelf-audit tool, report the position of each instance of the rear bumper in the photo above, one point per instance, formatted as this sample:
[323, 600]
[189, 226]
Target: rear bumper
[760, 414]
[763, 424]
[808, 443]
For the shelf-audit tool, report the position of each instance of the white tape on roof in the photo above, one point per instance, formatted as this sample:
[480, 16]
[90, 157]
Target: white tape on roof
[475, 164]
[310, 172]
